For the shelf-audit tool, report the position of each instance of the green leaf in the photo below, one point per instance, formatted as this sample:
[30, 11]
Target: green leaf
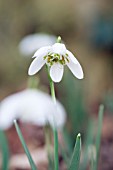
[98, 137]
[75, 160]
[5, 150]
[33, 166]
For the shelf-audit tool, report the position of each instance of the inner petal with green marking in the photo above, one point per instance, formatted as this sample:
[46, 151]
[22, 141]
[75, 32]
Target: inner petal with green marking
[55, 58]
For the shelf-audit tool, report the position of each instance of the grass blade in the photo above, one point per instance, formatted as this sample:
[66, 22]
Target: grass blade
[74, 165]
[33, 166]
[98, 137]
[5, 151]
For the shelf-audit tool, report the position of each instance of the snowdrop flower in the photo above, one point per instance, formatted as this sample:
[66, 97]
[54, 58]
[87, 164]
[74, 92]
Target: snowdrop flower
[31, 106]
[30, 43]
[55, 56]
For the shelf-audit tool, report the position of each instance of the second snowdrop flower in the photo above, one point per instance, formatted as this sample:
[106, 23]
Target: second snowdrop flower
[55, 56]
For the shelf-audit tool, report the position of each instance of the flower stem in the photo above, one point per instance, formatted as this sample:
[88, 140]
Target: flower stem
[51, 86]
[56, 160]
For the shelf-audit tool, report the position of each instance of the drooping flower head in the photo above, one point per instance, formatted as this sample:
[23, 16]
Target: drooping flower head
[56, 57]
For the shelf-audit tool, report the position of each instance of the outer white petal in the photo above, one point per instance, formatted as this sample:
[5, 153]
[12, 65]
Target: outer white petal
[71, 56]
[56, 72]
[36, 65]
[42, 51]
[58, 48]
[75, 66]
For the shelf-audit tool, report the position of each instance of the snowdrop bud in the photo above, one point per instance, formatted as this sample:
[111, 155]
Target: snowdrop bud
[59, 39]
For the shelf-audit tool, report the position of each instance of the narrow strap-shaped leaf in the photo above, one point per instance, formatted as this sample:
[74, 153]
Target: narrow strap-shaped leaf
[5, 150]
[33, 166]
[98, 137]
[74, 165]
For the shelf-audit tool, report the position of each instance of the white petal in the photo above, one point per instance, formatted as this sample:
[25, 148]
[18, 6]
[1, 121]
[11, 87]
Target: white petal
[58, 48]
[42, 51]
[75, 68]
[36, 65]
[56, 72]
[71, 56]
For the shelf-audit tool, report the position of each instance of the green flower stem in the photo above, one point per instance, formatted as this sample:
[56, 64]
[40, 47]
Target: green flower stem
[52, 91]
[56, 160]
[51, 86]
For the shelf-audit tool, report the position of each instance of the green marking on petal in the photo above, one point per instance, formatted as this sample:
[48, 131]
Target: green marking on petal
[67, 59]
[60, 61]
[52, 58]
[45, 57]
